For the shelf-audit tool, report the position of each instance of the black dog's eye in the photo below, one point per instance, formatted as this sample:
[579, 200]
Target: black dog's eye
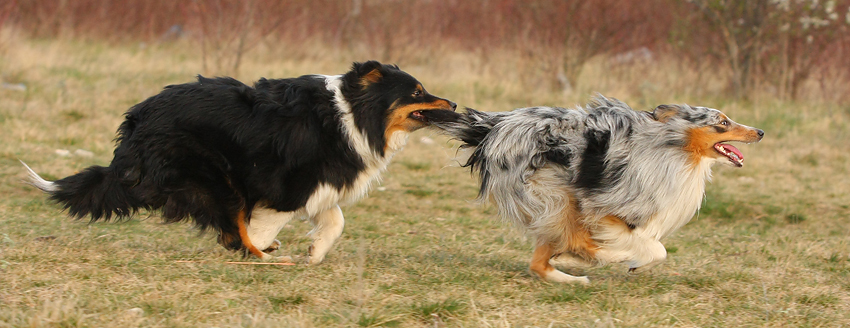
[417, 93]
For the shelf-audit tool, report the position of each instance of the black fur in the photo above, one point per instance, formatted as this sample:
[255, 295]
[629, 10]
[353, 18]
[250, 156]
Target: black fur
[592, 167]
[560, 156]
[95, 191]
[205, 151]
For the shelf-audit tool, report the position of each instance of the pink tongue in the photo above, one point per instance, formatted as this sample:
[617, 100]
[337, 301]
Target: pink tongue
[732, 149]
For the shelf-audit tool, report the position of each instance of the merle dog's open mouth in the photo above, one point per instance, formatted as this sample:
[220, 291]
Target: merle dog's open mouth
[731, 152]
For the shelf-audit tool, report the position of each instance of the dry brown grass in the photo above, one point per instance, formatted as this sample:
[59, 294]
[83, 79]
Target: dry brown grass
[769, 248]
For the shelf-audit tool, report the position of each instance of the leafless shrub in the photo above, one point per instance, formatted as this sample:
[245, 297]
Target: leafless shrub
[226, 29]
[773, 40]
[773, 46]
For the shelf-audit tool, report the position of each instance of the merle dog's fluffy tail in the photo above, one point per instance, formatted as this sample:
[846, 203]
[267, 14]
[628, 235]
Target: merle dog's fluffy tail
[471, 128]
[95, 191]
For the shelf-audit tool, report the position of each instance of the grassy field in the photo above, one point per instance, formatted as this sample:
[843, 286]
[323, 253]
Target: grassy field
[770, 247]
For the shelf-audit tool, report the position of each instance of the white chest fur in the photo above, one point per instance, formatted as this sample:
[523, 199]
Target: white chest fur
[325, 196]
[266, 223]
[680, 208]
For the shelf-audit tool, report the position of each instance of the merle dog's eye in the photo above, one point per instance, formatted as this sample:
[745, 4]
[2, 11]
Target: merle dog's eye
[417, 93]
[724, 123]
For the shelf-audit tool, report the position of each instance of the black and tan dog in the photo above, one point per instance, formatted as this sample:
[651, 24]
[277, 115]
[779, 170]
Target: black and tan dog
[243, 160]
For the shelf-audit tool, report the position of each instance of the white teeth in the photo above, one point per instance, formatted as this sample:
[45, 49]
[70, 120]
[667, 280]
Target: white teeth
[732, 155]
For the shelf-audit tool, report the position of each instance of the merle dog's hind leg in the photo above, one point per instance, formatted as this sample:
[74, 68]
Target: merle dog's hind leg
[541, 267]
[571, 260]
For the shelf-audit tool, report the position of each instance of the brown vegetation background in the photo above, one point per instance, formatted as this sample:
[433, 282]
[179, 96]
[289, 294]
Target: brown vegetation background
[769, 47]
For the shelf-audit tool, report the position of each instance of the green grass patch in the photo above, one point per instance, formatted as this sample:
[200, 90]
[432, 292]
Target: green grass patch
[818, 299]
[444, 309]
[572, 294]
[795, 218]
[699, 282]
[284, 302]
[417, 166]
[421, 193]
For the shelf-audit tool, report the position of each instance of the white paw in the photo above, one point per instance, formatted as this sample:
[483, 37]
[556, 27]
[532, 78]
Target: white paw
[313, 256]
[275, 259]
[267, 257]
[645, 268]
[313, 260]
[560, 277]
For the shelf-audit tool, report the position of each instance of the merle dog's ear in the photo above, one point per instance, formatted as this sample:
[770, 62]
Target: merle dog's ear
[664, 113]
[369, 72]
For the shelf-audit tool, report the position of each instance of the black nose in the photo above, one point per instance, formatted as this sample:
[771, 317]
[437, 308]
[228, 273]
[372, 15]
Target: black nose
[454, 107]
[760, 133]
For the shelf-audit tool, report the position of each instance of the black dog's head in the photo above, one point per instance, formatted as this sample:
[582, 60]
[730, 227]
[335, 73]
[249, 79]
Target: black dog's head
[385, 100]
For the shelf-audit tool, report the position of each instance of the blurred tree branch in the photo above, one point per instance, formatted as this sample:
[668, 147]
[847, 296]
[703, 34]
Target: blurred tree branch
[229, 28]
[741, 26]
[777, 40]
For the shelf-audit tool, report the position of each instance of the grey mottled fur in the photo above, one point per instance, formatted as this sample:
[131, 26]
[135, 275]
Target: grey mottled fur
[642, 160]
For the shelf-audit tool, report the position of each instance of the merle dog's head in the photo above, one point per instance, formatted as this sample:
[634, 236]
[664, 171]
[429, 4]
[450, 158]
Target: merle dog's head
[707, 131]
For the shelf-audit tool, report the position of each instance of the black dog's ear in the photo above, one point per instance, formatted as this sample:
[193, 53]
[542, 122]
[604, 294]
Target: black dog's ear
[368, 72]
[365, 67]
[664, 113]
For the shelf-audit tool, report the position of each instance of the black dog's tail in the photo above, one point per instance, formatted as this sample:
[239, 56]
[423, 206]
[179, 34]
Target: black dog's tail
[96, 191]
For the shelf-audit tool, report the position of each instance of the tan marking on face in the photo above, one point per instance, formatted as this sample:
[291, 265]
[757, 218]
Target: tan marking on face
[742, 133]
[399, 119]
[700, 141]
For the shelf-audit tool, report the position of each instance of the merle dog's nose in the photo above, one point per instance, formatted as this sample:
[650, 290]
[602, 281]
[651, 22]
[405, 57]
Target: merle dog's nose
[760, 133]
[454, 106]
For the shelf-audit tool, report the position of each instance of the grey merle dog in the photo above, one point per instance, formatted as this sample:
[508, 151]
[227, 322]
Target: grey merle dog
[600, 184]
